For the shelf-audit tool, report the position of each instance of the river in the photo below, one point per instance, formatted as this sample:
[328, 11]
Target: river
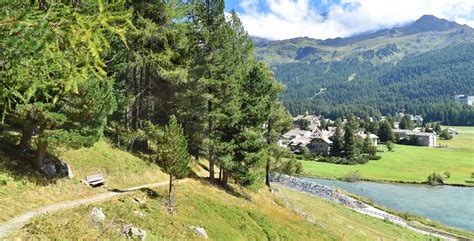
[450, 205]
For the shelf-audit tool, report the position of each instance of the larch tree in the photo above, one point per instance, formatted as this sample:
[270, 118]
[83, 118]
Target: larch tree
[66, 53]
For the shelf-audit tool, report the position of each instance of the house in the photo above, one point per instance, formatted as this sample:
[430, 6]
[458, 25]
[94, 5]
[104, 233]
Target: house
[313, 121]
[320, 145]
[420, 138]
[293, 133]
[373, 138]
[418, 120]
[464, 99]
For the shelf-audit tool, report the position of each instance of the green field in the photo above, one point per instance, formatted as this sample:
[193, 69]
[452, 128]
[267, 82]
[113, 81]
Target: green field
[262, 216]
[411, 163]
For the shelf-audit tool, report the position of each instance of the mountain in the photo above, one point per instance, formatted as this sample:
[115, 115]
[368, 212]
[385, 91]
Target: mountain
[416, 68]
[425, 34]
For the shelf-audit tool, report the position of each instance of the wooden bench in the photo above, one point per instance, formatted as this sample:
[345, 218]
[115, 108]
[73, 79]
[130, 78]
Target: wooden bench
[95, 180]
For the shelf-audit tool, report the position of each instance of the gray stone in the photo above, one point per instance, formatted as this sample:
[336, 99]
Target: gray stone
[97, 217]
[48, 168]
[201, 232]
[133, 232]
[65, 170]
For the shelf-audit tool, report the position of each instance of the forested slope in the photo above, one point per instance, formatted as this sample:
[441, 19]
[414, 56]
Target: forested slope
[422, 84]
[416, 68]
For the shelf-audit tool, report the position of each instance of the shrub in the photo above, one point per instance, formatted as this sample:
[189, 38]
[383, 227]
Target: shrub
[445, 135]
[375, 157]
[352, 176]
[299, 168]
[358, 160]
[435, 179]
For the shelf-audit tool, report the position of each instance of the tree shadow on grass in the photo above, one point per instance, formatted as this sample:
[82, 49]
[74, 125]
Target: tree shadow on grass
[18, 163]
[229, 189]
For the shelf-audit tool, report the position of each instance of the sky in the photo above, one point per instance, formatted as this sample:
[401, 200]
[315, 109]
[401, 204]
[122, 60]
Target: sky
[322, 19]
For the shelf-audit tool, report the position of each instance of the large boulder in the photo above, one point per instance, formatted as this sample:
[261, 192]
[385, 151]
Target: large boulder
[65, 170]
[97, 217]
[48, 168]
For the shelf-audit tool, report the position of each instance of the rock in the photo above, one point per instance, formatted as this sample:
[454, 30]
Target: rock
[65, 170]
[133, 232]
[201, 232]
[138, 214]
[97, 217]
[48, 168]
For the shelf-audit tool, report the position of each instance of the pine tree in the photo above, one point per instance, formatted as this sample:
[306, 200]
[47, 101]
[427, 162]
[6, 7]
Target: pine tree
[337, 141]
[385, 132]
[406, 123]
[350, 142]
[171, 153]
[209, 40]
[367, 146]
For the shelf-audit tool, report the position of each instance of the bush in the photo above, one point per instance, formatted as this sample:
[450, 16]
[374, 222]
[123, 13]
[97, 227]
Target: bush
[375, 157]
[445, 135]
[299, 168]
[352, 176]
[435, 179]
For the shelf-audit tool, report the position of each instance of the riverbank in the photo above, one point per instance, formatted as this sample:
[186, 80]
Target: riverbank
[307, 174]
[335, 195]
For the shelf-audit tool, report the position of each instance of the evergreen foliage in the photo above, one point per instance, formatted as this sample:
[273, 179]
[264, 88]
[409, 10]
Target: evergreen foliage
[171, 152]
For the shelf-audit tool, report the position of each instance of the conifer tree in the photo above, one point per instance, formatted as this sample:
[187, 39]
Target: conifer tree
[385, 132]
[59, 49]
[350, 142]
[172, 153]
[337, 141]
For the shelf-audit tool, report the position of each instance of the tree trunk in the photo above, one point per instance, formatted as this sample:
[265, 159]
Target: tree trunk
[27, 134]
[225, 177]
[170, 190]
[41, 149]
[211, 149]
[269, 141]
[267, 172]
[220, 173]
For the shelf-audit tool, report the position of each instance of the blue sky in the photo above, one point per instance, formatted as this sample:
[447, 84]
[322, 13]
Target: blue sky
[283, 19]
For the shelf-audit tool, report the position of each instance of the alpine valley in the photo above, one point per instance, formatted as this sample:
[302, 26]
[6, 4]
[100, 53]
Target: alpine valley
[417, 68]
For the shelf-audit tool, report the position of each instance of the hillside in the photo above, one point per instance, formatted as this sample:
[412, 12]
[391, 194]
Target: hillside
[418, 68]
[264, 216]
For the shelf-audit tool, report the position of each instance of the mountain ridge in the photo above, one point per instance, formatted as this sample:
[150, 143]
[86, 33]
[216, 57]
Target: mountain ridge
[416, 68]
[425, 34]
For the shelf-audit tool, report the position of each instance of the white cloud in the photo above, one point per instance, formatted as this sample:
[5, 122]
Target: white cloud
[295, 18]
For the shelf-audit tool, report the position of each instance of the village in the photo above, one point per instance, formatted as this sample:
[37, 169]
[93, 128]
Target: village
[315, 133]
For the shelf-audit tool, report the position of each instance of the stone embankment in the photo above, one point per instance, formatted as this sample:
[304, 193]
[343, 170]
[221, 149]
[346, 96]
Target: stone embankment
[336, 196]
[319, 190]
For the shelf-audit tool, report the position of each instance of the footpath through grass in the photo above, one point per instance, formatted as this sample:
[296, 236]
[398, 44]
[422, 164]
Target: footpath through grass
[411, 163]
[224, 217]
[24, 190]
